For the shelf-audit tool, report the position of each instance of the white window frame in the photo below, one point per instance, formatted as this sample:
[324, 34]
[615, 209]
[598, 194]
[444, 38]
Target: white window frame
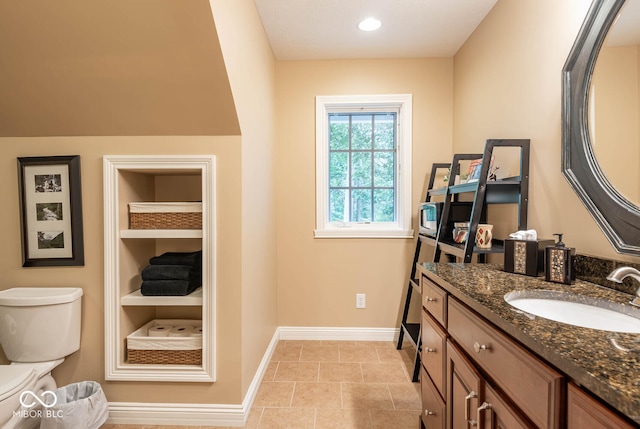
[402, 105]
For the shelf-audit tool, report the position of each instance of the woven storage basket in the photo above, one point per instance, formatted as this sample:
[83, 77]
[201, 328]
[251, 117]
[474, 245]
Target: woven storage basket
[165, 215]
[145, 349]
[165, 357]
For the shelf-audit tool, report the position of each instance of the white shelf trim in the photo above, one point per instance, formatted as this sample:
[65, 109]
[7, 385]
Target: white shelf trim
[161, 233]
[204, 165]
[136, 298]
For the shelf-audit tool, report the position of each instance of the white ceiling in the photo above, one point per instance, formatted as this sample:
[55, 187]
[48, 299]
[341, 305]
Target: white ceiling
[328, 29]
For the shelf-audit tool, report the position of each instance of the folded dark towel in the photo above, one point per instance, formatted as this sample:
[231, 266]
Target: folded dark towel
[168, 287]
[178, 258]
[171, 272]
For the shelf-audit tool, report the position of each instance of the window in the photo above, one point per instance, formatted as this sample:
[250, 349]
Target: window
[363, 166]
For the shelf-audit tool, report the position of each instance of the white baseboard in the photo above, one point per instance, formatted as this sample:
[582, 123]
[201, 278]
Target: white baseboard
[176, 414]
[347, 334]
[235, 415]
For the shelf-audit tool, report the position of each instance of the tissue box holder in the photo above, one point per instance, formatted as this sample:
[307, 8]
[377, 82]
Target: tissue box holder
[142, 349]
[161, 215]
[525, 256]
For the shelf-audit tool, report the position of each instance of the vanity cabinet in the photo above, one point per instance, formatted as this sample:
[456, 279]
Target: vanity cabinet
[526, 372]
[533, 386]
[127, 251]
[585, 412]
[474, 375]
[480, 374]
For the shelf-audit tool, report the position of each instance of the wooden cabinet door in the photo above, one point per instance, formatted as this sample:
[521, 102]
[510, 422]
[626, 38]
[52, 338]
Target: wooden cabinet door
[585, 412]
[496, 413]
[433, 409]
[434, 344]
[464, 391]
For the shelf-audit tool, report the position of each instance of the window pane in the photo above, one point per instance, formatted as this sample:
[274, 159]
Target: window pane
[383, 205]
[338, 169]
[361, 131]
[362, 163]
[337, 198]
[338, 132]
[361, 205]
[361, 179]
[383, 169]
[361, 169]
[384, 131]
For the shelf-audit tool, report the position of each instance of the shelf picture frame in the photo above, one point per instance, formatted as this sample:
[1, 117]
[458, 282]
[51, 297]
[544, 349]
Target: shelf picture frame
[51, 211]
[474, 170]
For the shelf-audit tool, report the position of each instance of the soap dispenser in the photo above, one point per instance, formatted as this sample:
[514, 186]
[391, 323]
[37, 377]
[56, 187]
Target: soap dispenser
[560, 263]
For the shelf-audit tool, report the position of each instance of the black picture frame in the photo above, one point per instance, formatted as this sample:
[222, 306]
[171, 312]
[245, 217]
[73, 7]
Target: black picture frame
[51, 211]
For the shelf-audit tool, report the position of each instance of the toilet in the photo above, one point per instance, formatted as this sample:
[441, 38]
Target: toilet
[39, 327]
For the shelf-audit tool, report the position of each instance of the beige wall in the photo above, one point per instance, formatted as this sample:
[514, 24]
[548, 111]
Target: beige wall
[318, 278]
[507, 84]
[149, 67]
[154, 69]
[88, 363]
[251, 68]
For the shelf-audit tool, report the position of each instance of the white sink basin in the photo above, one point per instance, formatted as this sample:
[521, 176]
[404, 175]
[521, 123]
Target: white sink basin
[577, 310]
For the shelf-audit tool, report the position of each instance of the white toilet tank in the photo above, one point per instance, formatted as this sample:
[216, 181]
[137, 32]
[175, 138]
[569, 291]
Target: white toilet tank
[39, 324]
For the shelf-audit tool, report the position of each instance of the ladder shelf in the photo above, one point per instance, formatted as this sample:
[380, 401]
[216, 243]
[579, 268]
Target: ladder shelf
[511, 190]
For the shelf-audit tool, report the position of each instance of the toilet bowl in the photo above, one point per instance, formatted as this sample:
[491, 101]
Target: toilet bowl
[39, 327]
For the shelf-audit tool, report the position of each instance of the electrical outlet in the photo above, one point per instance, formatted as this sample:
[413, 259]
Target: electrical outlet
[361, 300]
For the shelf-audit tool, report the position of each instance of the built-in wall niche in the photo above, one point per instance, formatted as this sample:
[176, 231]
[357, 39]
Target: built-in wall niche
[127, 251]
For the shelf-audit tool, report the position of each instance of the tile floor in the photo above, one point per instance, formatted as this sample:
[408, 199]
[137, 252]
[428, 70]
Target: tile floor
[332, 385]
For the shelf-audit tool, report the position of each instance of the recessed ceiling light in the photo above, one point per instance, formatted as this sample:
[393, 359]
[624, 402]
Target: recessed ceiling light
[369, 24]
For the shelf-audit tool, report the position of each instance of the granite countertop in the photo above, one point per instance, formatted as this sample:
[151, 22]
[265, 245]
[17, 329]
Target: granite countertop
[605, 363]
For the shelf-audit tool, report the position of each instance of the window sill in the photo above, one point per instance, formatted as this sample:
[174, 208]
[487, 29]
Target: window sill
[362, 233]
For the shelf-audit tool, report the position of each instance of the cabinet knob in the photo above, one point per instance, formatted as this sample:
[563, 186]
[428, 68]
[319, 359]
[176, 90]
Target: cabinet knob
[429, 299]
[428, 350]
[428, 413]
[477, 347]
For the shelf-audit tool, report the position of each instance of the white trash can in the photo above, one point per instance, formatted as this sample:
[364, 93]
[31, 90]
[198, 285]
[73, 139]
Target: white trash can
[77, 406]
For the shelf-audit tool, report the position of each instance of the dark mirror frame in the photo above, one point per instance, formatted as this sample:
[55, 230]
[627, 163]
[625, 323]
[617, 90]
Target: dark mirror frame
[618, 218]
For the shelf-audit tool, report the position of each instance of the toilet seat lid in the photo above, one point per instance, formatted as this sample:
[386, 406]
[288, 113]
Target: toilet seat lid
[15, 378]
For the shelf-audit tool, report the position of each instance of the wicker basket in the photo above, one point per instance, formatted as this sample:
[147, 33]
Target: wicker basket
[165, 215]
[145, 349]
[165, 357]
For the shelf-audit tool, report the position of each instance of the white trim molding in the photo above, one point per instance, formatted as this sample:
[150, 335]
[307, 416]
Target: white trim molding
[338, 334]
[176, 414]
[151, 165]
[402, 105]
[235, 415]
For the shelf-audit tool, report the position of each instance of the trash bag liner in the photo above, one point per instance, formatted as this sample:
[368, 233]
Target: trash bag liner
[78, 406]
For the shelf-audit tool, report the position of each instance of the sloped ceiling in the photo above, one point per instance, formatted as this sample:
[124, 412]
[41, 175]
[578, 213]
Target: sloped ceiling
[116, 67]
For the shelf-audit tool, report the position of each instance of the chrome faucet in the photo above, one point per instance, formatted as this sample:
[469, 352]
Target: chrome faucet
[622, 273]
